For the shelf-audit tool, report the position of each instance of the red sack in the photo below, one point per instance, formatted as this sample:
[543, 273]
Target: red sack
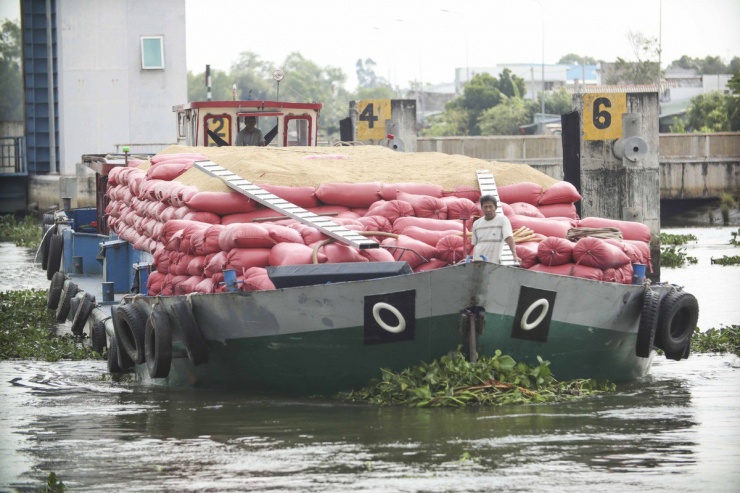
[630, 230]
[244, 235]
[196, 266]
[338, 253]
[457, 206]
[301, 196]
[188, 285]
[555, 251]
[465, 192]
[181, 212]
[451, 248]
[216, 263]
[392, 209]
[293, 254]
[258, 283]
[352, 224]
[168, 171]
[282, 234]
[525, 209]
[180, 195]
[424, 205]
[241, 259]
[206, 286]
[221, 203]
[432, 224]
[527, 253]
[562, 192]
[180, 267]
[309, 234]
[405, 248]
[559, 210]
[348, 194]
[595, 252]
[154, 283]
[520, 192]
[506, 209]
[548, 227]
[203, 217]
[433, 264]
[328, 210]
[376, 223]
[428, 236]
[389, 191]
[573, 270]
[162, 261]
[377, 255]
[349, 214]
[248, 217]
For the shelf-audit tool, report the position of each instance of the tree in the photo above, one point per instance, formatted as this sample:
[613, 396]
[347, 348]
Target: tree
[367, 79]
[643, 70]
[556, 102]
[708, 65]
[709, 113]
[505, 118]
[510, 85]
[253, 77]
[220, 86]
[11, 79]
[572, 58]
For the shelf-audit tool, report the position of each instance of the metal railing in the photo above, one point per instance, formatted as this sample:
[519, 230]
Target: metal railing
[13, 156]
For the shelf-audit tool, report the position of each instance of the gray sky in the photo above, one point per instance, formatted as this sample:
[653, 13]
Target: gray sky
[426, 39]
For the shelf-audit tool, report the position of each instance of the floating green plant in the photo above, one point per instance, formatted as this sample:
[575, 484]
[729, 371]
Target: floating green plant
[717, 340]
[25, 233]
[674, 256]
[669, 239]
[726, 260]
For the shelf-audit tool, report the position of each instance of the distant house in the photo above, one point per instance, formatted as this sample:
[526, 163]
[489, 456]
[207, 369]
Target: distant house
[679, 86]
[556, 76]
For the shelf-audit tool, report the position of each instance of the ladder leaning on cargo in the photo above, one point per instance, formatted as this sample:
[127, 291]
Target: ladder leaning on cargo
[272, 201]
[488, 187]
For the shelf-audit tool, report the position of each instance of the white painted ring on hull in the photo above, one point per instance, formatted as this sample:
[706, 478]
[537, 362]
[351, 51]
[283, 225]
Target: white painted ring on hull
[525, 324]
[390, 328]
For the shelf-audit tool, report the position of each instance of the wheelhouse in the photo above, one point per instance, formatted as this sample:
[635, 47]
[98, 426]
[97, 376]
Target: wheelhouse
[217, 123]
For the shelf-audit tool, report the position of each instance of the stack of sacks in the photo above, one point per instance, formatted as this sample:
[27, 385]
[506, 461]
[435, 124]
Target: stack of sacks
[528, 199]
[194, 235]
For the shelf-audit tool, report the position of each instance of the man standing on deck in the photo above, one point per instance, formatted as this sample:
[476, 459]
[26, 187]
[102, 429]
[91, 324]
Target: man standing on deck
[250, 135]
[490, 231]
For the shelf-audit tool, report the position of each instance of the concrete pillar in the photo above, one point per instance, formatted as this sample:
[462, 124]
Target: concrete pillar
[373, 119]
[614, 187]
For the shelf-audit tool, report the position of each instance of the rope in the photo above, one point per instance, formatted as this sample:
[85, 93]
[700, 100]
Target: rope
[575, 234]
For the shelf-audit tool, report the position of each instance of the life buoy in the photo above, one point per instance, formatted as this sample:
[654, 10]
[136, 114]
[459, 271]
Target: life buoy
[525, 324]
[63, 308]
[158, 343]
[82, 314]
[648, 323]
[55, 291]
[98, 336]
[129, 325]
[56, 247]
[399, 327]
[679, 313]
[194, 342]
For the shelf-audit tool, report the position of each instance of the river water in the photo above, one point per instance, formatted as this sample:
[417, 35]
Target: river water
[676, 430]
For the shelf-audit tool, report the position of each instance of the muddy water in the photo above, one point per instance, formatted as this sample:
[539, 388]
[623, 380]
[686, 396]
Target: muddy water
[677, 430]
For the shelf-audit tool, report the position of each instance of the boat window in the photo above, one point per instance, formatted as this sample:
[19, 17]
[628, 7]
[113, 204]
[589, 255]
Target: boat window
[297, 131]
[152, 52]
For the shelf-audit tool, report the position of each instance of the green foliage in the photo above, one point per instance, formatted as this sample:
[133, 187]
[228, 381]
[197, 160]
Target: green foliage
[734, 240]
[644, 68]
[674, 256]
[572, 58]
[721, 340]
[25, 233]
[505, 118]
[11, 78]
[454, 381]
[26, 330]
[679, 127]
[669, 239]
[556, 102]
[707, 65]
[53, 485]
[726, 260]
[366, 76]
[710, 112]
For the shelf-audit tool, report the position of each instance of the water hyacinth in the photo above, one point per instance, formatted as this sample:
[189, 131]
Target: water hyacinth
[454, 381]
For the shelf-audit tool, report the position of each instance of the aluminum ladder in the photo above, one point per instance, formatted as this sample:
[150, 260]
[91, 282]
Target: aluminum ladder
[272, 201]
[487, 186]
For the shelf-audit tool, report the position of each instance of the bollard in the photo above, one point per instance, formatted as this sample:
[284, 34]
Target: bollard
[230, 280]
[76, 265]
[67, 203]
[638, 274]
[108, 292]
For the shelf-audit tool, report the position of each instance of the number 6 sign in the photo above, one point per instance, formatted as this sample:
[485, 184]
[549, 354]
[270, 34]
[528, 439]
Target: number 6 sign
[602, 115]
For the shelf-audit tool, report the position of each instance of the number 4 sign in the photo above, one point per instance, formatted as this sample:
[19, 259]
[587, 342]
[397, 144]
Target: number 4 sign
[602, 115]
[372, 114]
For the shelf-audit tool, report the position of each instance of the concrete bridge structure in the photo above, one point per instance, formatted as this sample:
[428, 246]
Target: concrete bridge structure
[692, 166]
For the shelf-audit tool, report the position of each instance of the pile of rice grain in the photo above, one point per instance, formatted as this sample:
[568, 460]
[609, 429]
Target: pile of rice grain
[312, 166]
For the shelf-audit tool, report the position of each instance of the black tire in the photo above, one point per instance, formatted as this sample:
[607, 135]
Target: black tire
[55, 291]
[679, 312]
[679, 356]
[74, 304]
[45, 242]
[158, 342]
[82, 314]
[55, 256]
[648, 323]
[130, 324]
[194, 342]
[64, 305]
[48, 218]
[118, 360]
[98, 336]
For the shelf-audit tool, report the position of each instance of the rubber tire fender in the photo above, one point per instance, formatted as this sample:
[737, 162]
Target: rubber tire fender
[648, 323]
[74, 304]
[195, 344]
[64, 305]
[45, 241]
[98, 336]
[679, 313]
[129, 325]
[55, 255]
[82, 314]
[118, 360]
[158, 343]
[55, 291]
[47, 218]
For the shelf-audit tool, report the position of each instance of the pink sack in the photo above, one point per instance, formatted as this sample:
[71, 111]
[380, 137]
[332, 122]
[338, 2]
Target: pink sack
[337, 253]
[301, 196]
[428, 236]
[548, 227]
[244, 235]
[281, 234]
[630, 230]
[293, 254]
[573, 270]
[375, 223]
[196, 266]
[216, 263]
[424, 205]
[221, 203]
[191, 156]
[206, 286]
[258, 283]
[525, 209]
[465, 192]
[595, 252]
[520, 192]
[348, 194]
[457, 206]
[451, 249]
[392, 209]
[527, 253]
[433, 264]
[559, 210]
[167, 171]
[154, 283]
[188, 285]
[562, 192]
[241, 259]
[432, 224]
[389, 191]
[555, 251]
[377, 255]
[405, 248]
